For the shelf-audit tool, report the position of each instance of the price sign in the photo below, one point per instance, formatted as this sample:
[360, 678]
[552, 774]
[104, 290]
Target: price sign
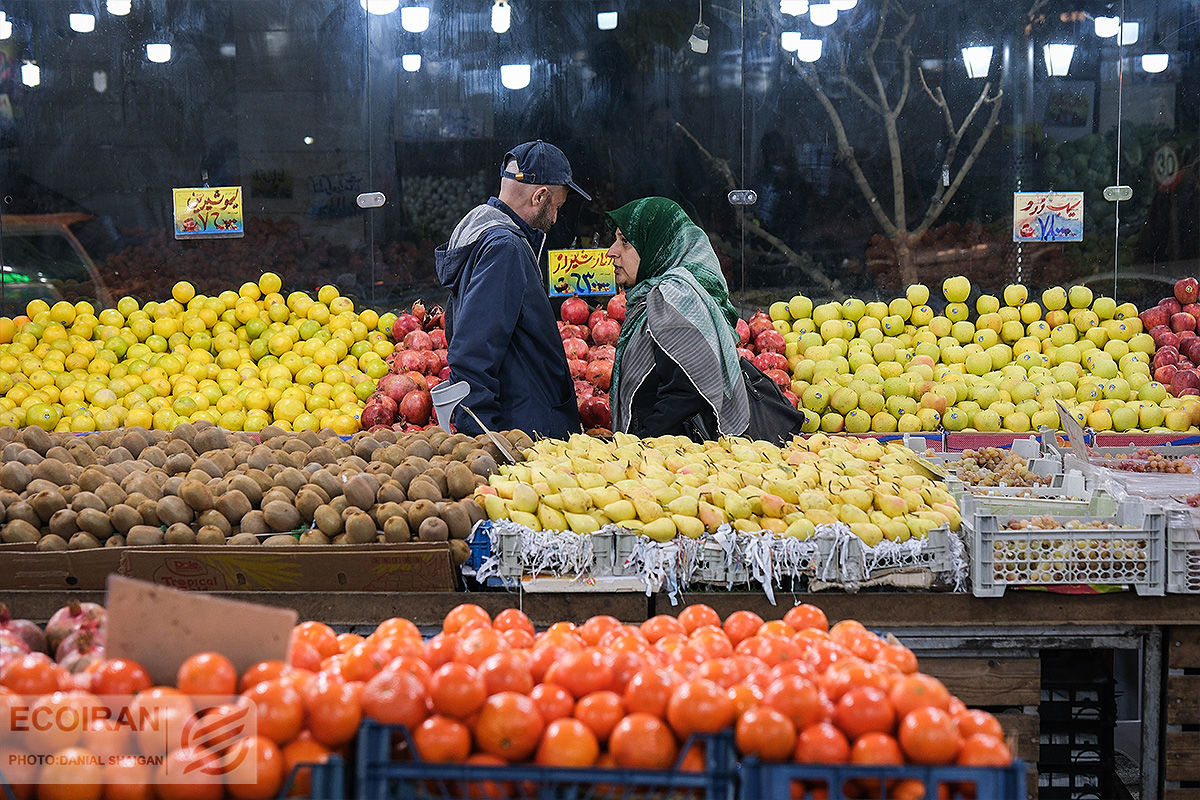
[209, 213]
[581, 272]
[1164, 166]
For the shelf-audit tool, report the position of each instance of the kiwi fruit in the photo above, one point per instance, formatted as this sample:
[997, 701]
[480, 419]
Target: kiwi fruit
[365, 448]
[329, 483]
[22, 510]
[144, 535]
[460, 481]
[196, 495]
[52, 470]
[111, 493]
[281, 516]
[153, 455]
[250, 488]
[243, 540]
[179, 533]
[15, 476]
[359, 492]
[254, 522]
[360, 528]
[46, 503]
[458, 523]
[308, 501]
[320, 455]
[18, 531]
[419, 511]
[52, 542]
[210, 534]
[123, 517]
[314, 537]
[149, 511]
[94, 522]
[280, 540]
[208, 439]
[420, 448]
[390, 491]
[339, 503]
[260, 458]
[116, 540]
[460, 551]
[280, 494]
[395, 529]
[422, 488]
[403, 474]
[433, 529]
[234, 505]
[92, 479]
[63, 523]
[214, 519]
[37, 439]
[91, 500]
[482, 463]
[172, 509]
[171, 485]
[328, 519]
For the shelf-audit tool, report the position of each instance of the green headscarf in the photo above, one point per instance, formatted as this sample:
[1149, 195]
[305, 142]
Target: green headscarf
[677, 256]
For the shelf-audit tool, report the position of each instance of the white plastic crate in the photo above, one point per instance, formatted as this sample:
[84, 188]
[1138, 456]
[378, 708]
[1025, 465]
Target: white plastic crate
[723, 560]
[1068, 499]
[1183, 549]
[847, 559]
[1133, 556]
[1041, 462]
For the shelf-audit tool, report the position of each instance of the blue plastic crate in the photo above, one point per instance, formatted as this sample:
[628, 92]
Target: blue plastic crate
[379, 776]
[759, 781]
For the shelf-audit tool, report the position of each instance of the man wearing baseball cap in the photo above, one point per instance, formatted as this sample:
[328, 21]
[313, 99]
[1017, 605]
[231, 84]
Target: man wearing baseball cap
[503, 337]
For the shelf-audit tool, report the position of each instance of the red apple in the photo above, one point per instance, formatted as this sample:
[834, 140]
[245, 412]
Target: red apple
[1185, 379]
[578, 367]
[574, 311]
[1183, 322]
[606, 331]
[1165, 373]
[1168, 339]
[576, 348]
[1153, 317]
[743, 332]
[1191, 348]
[1187, 290]
[1184, 336]
[599, 374]
[616, 307]
[769, 341]
[1165, 355]
[594, 412]
[1170, 305]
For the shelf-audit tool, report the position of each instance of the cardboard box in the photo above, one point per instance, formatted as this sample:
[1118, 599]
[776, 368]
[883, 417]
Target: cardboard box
[411, 567]
[70, 569]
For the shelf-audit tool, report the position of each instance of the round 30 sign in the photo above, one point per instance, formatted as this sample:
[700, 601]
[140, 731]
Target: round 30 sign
[1164, 166]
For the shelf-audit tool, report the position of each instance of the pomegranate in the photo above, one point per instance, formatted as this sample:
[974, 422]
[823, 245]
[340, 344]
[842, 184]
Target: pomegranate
[759, 322]
[381, 412]
[616, 307]
[596, 316]
[416, 407]
[574, 311]
[574, 332]
[419, 379]
[28, 631]
[781, 378]
[743, 332]
[576, 348]
[412, 361]
[433, 362]
[444, 374]
[583, 390]
[770, 360]
[603, 352]
[438, 337]
[607, 331]
[70, 618]
[12, 647]
[81, 649]
[432, 381]
[769, 341]
[594, 412]
[396, 386]
[418, 340]
[418, 310]
[746, 354]
[599, 374]
[404, 325]
[791, 397]
[578, 367]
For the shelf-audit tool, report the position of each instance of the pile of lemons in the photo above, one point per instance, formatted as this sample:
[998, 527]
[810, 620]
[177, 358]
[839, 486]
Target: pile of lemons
[241, 360]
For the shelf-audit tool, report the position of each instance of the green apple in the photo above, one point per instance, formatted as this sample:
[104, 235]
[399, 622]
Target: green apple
[877, 309]
[1152, 392]
[1067, 354]
[1116, 348]
[779, 311]
[825, 312]
[1057, 317]
[962, 331]
[871, 402]
[843, 400]
[1012, 331]
[1150, 416]
[872, 336]
[899, 405]
[1064, 334]
[955, 419]
[1026, 344]
[979, 363]
[1054, 298]
[893, 324]
[1017, 421]
[930, 418]
[1038, 329]
[853, 309]
[1001, 355]
[940, 326]
[1125, 418]
[883, 422]
[1097, 336]
[1079, 296]
[987, 421]
[987, 304]
[803, 326]
[832, 422]
[1015, 295]
[1125, 311]
[884, 351]
[1105, 307]
[921, 315]
[954, 354]
[1045, 418]
[1087, 392]
[815, 399]
[1023, 390]
[867, 324]
[891, 369]
[800, 307]
[900, 307]
[857, 421]
[1100, 420]
[909, 423]
[1116, 389]
[986, 337]
[956, 289]
[917, 294]
[1142, 343]
[1030, 312]
[957, 312]
[859, 358]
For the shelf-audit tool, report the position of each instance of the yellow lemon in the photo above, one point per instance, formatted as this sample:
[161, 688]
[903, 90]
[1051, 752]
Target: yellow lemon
[269, 283]
[183, 292]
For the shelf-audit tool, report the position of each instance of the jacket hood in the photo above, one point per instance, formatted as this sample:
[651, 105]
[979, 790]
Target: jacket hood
[452, 257]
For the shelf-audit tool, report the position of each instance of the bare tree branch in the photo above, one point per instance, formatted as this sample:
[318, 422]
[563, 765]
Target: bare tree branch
[957, 135]
[939, 100]
[938, 205]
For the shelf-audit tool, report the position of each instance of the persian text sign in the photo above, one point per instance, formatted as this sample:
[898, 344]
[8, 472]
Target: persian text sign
[209, 213]
[581, 272]
[1047, 216]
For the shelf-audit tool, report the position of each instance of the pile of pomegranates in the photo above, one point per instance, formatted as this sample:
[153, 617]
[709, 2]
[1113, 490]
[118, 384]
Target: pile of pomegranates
[589, 338]
[762, 344]
[418, 363]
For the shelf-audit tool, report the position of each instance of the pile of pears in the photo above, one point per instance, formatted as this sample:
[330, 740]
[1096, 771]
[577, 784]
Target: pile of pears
[670, 486]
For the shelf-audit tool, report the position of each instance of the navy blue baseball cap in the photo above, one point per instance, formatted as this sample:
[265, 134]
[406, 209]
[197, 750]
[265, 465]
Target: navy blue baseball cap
[540, 163]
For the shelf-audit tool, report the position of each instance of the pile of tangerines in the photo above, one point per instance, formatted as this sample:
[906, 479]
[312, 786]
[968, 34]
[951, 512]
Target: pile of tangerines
[495, 691]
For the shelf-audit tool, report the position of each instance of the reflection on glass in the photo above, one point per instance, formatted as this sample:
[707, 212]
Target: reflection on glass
[379, 7]
[978, 60]
[501, 16]
[808, 50]
[822, 14]
[1107, 27]
[844, 5]
[119, 8]
[100, 81]
[411, 62]
[158, 52]
[793, 7]
[606, 20]
[5, 29]
[82, 23]
[228, 50]
[414, 19]
[1155, 62]
[31, 74]
[1058, 58]
[1129, 32]
[515, 76]
[790, 40]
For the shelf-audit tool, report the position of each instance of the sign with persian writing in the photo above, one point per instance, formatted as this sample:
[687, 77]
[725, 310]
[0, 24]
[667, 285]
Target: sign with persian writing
[209, 213]
[581, 272]
[1047, 216]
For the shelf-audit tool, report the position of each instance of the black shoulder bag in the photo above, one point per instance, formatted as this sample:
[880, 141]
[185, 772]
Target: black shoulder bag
[772, 417]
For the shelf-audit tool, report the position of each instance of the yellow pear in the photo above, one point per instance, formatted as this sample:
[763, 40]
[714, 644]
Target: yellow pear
[551, 518]
[851, 514]
[712, 516]
[603, 495]
[632, 525]
[868, 532]
[801, 529]
[581, 523]
[666, 494]
[619, 511]
[553, 500]
[819, 516]
[495, 506]
[688, 526]
[613, 471]
[691, 479]
[526, 519]
[660, 530]
[859, 498]
[891, 504]
[737, 506]
[525, 498]
[786, 489]
[503, 487]
[685, 505]
[575, 500]
[647, 510]
[895, 530]
[773, 525]
[747, 525]
[590, 480]
[950, 510]
[919, 527]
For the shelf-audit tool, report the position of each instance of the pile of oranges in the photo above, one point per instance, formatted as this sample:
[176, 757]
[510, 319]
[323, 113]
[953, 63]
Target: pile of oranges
[495, 691]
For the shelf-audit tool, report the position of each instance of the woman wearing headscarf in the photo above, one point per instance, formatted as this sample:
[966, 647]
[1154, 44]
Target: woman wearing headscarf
[676, 363]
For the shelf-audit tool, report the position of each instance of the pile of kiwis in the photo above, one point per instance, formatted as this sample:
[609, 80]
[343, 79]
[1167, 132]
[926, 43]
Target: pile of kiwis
[200, 484]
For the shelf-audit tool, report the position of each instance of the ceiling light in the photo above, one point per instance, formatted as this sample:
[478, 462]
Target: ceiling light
[515, 76]
[1107, 27]
[411, 62]
[844, 5]
[100, 81]
[229, 50]
[808, 50]
[158, 52]
[1155, 62]
[793, 7]
[822, 14]
[308, 140]
[379, 7]
[501, 16]
[31, 74]
[606, 20]
[790, 40]
[1129, 32]
[978, 60]
[5, 29]
[82, 23]
[1058, 58]
[414, 19]
[119, 8]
